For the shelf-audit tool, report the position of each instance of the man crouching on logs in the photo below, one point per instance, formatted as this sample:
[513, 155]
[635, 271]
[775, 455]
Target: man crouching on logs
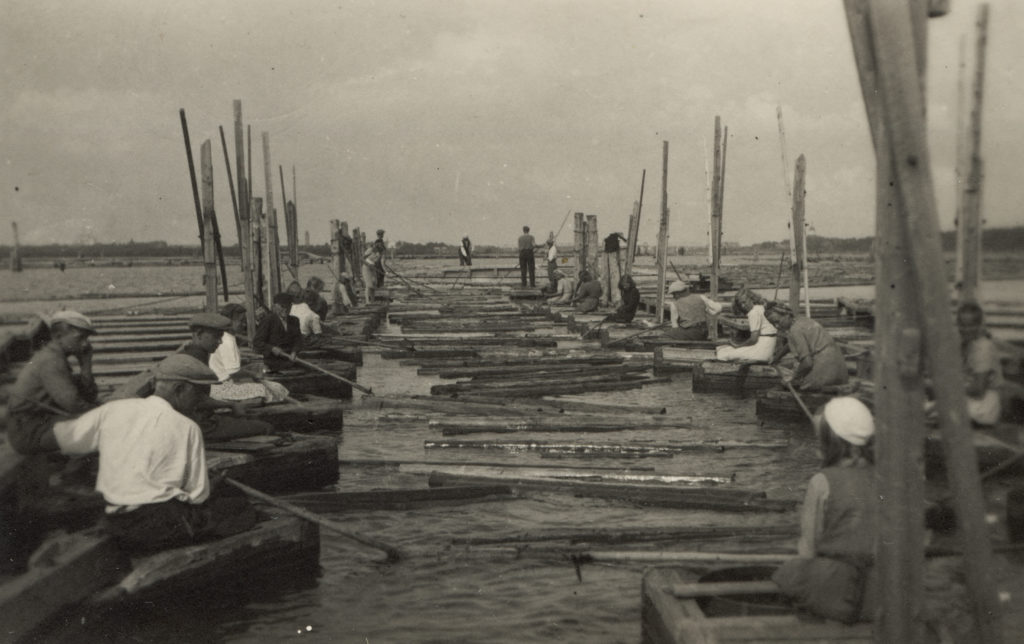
[152, 463]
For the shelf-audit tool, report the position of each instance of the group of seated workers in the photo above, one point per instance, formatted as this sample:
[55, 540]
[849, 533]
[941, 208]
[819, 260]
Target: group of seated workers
[150, 435]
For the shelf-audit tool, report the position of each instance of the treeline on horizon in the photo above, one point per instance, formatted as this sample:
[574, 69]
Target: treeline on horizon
[993, 239]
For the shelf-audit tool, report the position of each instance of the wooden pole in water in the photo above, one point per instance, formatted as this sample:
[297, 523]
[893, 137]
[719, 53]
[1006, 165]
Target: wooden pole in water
[245, 226]
[260, 235]
[209, 256]
[798, 266]
[579, 241]
[662, 260]
[15, 250]
[912, 304]
[593, 248]
[192, 174]
[291, 230]
[634, 227]
[718, 199]
[969, 233]
[271, 241]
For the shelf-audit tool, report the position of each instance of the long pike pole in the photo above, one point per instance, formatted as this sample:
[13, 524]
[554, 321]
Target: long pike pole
[278, 351]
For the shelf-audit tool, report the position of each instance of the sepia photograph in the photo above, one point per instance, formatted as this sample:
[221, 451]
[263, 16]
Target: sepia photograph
[577, 321]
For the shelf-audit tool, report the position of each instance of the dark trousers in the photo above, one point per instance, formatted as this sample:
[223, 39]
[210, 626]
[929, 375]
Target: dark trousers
[157, 526]
[527, 266]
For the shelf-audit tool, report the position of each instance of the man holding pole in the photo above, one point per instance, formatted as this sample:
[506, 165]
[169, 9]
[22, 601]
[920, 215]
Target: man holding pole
[552, 264]
[278, 330]
[527, 265]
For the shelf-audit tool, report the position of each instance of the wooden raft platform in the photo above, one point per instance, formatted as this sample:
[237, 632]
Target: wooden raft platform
[669, 619]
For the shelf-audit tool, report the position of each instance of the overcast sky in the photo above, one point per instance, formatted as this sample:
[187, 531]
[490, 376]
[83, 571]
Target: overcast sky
[437, 119]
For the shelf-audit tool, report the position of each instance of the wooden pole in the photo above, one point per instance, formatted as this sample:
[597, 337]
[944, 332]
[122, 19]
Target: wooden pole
[662, 261]
[245, 226]
[719, 214]
[346, 261]
[593, 248]
[797, 267]
[357, 258]
[260, 248]
[192, 175]
[716, 209]
[15, 250]
[709, 199]
[634, 227]
[209, 255]
[794, 281]
[291, 230]
[579, 241]
[969, 233]
[911, 294]
[271, 241]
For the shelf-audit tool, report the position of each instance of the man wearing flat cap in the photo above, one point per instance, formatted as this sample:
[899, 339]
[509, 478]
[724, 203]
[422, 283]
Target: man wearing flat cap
[47, 390]
[152, 462]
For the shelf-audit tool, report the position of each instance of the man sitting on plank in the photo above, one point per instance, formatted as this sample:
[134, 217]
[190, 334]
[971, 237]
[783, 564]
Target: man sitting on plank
[820, 361]
[278, 329]
[46, 389]
[238, 383]
[152, 463]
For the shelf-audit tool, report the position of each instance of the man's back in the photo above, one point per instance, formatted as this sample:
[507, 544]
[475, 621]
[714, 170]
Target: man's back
[526, 242]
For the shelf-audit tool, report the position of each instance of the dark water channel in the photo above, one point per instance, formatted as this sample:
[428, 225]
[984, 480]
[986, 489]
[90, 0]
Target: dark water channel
[445, 593]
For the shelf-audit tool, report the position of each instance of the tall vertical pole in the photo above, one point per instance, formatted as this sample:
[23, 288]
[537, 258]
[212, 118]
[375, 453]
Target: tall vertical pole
[245, 225]
[797, 267]
[15, 250]
[271, 242]
[663, 233]
[634, 226]
[969, 233]
[259, 231]
[579, 241]
[209, 251]
[593, 248]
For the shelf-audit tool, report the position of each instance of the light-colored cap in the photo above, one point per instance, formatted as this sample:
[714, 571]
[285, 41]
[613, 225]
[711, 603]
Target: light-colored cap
[214, 321]
[72, 318]
[678, 286]
[850, 419]
[179, 366]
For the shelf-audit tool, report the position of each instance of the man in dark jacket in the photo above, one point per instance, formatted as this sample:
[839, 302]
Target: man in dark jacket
[278, 330]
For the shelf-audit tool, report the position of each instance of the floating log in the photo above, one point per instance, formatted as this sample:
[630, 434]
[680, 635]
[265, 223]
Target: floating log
[733, 377]
[560, 423]
[399, 499]
[306, 462]
[559, 383]
[474, 341]
[303, 381]
[640, 535]
[703, 498]
[561, 406]
[418, 355]
[609, 449]
[540, 474]
[559, 390]
[309, 415]
[672, 359]
[571, 365]
[65, 571]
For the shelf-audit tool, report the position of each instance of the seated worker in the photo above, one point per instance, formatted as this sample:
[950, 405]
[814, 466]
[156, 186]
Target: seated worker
[344, 297]
[688, 313]
[152, 463]
[760, 346]
[46, 390]
[236, 383]
[588, 295]
[832, 575]
[309, 321]
[207, 333]
[318, 304]
[566, 288]
[820, 361]
[630, 296]
[279, 330]
[983, 370]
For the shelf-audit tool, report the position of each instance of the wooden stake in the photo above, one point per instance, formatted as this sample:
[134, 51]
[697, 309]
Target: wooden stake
[245, 226]
[209, 258]
[579, 242]
[593, 248]
[797, 266]
[662, 260]
[192, 175]
[634, 227]
[969, 232]
[16, 250]
[291, 231]
[272, 241]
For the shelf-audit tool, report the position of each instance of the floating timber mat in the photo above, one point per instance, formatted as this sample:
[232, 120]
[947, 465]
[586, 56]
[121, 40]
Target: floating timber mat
[608, 449]
[280, 543]
[557, 423]
[451, 314]
[549, 387]
[502, 406]
[77, 566]
[733, 377]
[400, 499]
[474, 341]
[668, 619]
[668, 533]
[439, 351]
[305, 463]
[549, 473]
[525, 363]
[694, 498]
[456, 326]
[309, 414]
[542, 372]
[535, 366]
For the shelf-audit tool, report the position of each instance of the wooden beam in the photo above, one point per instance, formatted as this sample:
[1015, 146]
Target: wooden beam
[634, 226]
[209, 251]
[579, 241]
[969, 231]
[662, 259]
[271, 241]
[798, 266]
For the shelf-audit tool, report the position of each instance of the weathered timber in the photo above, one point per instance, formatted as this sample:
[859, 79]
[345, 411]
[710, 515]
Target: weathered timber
[307, 462]
[308, 415]
[674, 533]
[282, 543]
[610, 449]
[537, 366]
[302, 381]
[419, 355]
[732, 377]
[671, 359]
[703, 498]
[561, 423]
[541, 473]
[65, 571]
[399, 499]
[559, 373]
[559, 390]
[539, 380]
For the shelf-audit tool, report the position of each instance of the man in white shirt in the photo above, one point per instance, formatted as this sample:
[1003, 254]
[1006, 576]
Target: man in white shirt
[152, 463]
[552, 265]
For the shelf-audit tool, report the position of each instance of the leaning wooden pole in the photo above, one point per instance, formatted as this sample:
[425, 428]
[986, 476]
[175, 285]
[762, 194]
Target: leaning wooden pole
[271, 242]
[209, 250]
[15, 250]
[797, 267]
[969, 233]
[245, 226]
[192, 174]
[634, 226]
[892, 82]
[662, 260]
